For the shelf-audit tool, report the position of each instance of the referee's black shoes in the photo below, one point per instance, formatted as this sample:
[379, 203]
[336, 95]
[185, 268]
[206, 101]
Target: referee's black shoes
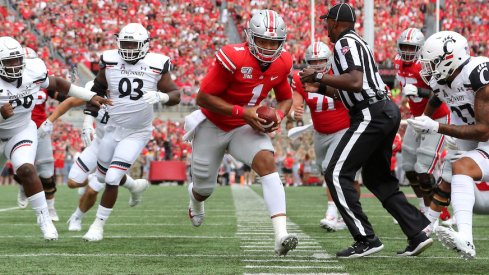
[361, 249]
[416, 245]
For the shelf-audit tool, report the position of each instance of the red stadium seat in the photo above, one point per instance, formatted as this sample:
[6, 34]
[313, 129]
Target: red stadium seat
[167, 171]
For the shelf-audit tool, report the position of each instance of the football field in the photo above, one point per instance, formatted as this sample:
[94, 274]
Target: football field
[156, 237]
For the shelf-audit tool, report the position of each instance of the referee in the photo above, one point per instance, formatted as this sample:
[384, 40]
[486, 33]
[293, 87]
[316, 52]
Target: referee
[367, 144]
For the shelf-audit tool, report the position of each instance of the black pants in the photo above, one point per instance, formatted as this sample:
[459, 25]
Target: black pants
[367, 144]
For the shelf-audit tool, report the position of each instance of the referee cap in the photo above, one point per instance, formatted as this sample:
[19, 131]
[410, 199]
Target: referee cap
[341, 12]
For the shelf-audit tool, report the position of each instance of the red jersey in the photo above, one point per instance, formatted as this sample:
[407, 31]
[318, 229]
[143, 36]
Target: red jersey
[236, 77]
[328, 116]
[408, 73]
[39, 114]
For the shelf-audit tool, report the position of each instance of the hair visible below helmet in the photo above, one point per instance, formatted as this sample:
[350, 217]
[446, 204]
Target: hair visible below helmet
[318, 51]
[266, 24]
[442, 54]
[135, 33]
[411, 37]
[11, 49]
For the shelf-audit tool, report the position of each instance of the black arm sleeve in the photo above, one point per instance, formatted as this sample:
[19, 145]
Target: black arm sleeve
[435, 102]
[425, 93]
[99, 88]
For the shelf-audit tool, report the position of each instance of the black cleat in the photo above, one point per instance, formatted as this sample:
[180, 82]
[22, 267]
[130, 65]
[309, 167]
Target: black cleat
[361, 249]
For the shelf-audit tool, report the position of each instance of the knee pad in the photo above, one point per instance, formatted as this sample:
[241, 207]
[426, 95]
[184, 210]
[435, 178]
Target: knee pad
[45, 169]
[49, 185]
[204, 180]
[440, 197]
[205, 189]
[412, 178]
[114, 176]
[94, 184]
[427, 184]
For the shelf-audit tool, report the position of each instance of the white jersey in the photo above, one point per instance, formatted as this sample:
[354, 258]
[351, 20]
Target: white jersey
[460, 94]
[21, 94]
[127, 83]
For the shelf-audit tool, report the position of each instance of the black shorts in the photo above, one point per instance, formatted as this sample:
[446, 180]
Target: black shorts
[286, 170]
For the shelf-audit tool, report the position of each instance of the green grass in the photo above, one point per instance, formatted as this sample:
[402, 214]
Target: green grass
[166, 243]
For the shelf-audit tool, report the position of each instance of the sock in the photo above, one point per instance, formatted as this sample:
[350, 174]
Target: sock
[432, 216]
[38, 202]
[129, 184]
[196, 206]
[279, 227]
[273, 193]
[102, 215]
[78, 213]
[332, 210]
[50, 203]
[422, 207]
[463, 200]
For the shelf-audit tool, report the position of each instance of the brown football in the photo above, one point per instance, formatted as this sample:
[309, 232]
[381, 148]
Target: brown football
[268, 114]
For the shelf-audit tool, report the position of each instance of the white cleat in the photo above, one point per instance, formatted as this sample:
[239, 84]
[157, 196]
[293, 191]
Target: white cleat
[95, 233]
[196, 218]
[452, 239]
[46, 225]
[340, 224]
[22, 201]
[53, 214]
[74, 223]
[450, 222]
[137, 191]
[285, 244]
[329, 223]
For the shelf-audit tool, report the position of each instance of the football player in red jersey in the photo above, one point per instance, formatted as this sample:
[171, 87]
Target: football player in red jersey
[329, 118]
[241, 77]
[420, 154]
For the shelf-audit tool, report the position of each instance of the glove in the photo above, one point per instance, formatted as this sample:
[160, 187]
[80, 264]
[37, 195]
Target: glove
[45, 129]
[451, 143]
[455, 155]
[152, 97]
[410, 90]
[424, 125]
[88, 133]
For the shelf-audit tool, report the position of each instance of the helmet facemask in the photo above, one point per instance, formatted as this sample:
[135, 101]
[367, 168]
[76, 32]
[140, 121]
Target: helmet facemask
[132, 50]
[320, 65]
[13, 66]
[429, 72]
[408, 52]
[261, 53]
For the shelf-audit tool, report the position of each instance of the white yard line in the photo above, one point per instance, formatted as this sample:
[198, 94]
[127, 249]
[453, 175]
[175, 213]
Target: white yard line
[9, 209]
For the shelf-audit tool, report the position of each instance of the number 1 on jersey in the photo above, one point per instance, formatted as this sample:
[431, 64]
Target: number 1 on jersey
[256, 94]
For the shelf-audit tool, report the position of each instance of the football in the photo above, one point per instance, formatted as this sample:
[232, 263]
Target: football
[269, 114]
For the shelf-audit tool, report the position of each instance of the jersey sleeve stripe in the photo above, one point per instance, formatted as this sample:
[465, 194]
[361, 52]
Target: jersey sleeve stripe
[227, 59]
[223, 64]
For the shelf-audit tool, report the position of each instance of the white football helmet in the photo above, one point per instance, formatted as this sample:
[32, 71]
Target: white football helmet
[133, 42]
[412, 37]
[266, 24]
[11, 58]
[319, 51]
[442, 54]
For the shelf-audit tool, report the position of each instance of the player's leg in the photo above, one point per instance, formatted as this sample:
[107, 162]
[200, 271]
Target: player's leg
[21, 149]
[86, 202]
[256, 150]
[45, 170]
[125, 154]
[473, 166]
[410, 143]
[135, 187]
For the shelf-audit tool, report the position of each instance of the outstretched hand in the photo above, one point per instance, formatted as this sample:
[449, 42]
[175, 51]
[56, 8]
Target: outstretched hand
[99, 101]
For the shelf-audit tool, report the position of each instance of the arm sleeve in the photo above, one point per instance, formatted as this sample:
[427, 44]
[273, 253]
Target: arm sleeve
[434, 101]
[347, 51]
[216, 81]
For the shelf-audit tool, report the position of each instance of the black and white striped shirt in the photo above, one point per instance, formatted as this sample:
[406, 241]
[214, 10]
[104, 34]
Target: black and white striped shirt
[351, 52]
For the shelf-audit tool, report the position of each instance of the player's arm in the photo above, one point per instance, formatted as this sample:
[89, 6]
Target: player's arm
[433, 103]
[166, 85]
[64, 107]
[67, 88]
[283, 93]
[478, 131]
[297, 110]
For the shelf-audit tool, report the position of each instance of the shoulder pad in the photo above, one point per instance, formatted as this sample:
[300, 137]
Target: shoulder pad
[36, 69]
[479, 75]
[230, 56]
[287, 60]
[158, 62]
[109, 57]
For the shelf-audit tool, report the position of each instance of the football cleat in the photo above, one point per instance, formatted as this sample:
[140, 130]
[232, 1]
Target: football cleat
[95, 233]
[328, 223]
[361, 249]
[340, 224]
[416, 245]
[196, 218]
[449, 223]
[22, 201]
[74, 223]
[431, 228]
[47, 227]
[285, 244]
[137, 191]
[53, 214]
[452, 239]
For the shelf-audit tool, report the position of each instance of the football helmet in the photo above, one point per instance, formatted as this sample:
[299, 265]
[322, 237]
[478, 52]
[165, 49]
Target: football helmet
[12, 62]
[412, 37]
[442, 54]
[266, 24]
[319, 51]
[133, 42]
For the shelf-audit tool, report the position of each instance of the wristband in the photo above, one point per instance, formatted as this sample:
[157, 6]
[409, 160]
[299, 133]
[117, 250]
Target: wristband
[280, 114]
[81, 93]
[238, 111]
[88, 121]
[164, 97]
